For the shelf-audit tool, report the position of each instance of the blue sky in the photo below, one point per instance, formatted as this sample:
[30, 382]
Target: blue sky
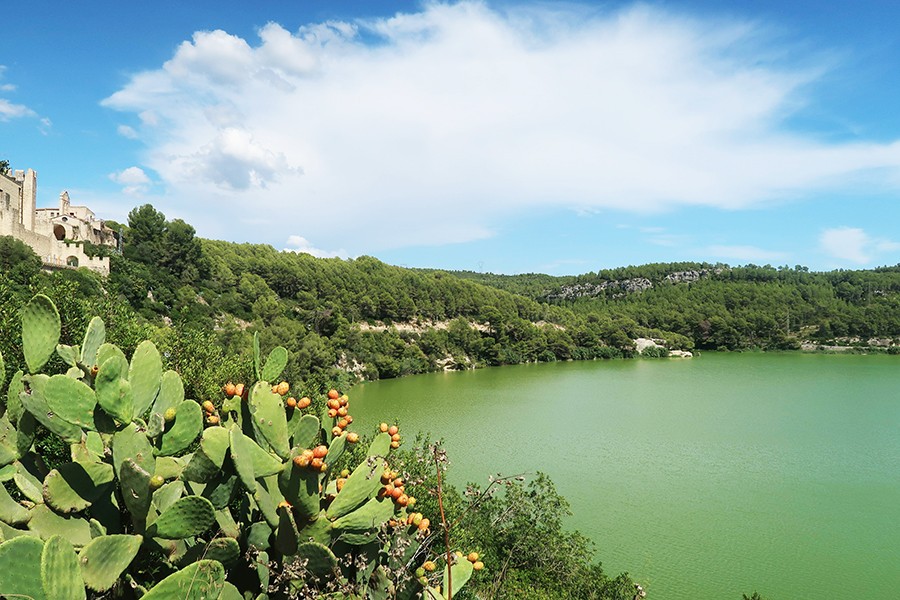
[559, 137]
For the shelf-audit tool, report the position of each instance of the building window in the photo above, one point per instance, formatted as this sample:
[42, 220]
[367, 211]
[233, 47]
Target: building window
[72, 261]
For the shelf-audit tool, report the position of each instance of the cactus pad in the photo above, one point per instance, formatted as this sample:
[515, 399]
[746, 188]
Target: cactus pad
[368, 516]
[75, 486]
[135, 483]
[187, 517]
[104, 558]
[145, 375]
[40, 331]
[461, 571]
[71, 400]
[14, 407]
[131, 443]
[171, 393]
[275, 364]
[35, 403]
[362, 484]
[47, 523]
[11, 512]
[269, 421]
[94, 337]
[225, 550]
[214, 444]
[106, 351]
[240, 456]
[304, 429]
[201, 580]
[320, 560]
[20, 568]
[59, 571]
[188, 425]
[113, 390]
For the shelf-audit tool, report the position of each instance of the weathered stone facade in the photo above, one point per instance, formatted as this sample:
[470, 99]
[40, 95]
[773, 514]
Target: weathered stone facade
[57, 235]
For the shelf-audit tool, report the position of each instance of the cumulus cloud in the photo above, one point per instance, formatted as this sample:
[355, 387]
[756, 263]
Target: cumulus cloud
[134, 179]
[300, 244]
[852, 244]
[431, 127]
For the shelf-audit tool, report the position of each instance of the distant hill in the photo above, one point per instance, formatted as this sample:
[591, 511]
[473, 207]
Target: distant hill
[361, 318]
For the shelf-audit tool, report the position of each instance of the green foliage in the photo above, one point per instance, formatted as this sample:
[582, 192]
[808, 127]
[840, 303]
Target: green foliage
[143, 512]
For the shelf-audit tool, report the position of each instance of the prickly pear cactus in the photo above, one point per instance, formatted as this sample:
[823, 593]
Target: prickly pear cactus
[248, 482]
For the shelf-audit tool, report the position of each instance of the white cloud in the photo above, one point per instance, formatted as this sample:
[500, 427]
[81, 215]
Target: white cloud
[428, 128]
[127, 132]
[8, 110]
[852, 244]
[746, 253]
[134, 180]
[300, 244]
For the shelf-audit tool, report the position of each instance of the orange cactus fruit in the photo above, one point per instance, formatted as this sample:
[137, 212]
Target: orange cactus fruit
[283, 388]
[393, 430]
[424, 524]
[395, 445]
[478, 565]
[320, 451]
[304, 402]
[239, 390]
[333, 394]
[352, 437]
[228, 388]
[383, 427]
[209, 407]
[472, 557]
[291, 402]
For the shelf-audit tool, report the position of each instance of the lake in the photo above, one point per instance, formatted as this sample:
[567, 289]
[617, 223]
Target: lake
[703, 478]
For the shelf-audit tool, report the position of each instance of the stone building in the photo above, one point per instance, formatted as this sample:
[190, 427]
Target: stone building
[56, 235]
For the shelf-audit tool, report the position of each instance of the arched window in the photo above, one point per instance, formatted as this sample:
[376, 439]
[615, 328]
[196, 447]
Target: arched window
[72, 261]
[59, 232]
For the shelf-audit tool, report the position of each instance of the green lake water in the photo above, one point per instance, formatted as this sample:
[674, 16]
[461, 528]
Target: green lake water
[704, 478]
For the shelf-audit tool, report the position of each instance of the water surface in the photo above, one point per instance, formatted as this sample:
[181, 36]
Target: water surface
[704, 478]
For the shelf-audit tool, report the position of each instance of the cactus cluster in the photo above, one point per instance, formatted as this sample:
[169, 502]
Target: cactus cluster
[184, 490]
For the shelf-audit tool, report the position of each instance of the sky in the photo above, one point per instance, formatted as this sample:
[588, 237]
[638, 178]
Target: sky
[505, 137]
